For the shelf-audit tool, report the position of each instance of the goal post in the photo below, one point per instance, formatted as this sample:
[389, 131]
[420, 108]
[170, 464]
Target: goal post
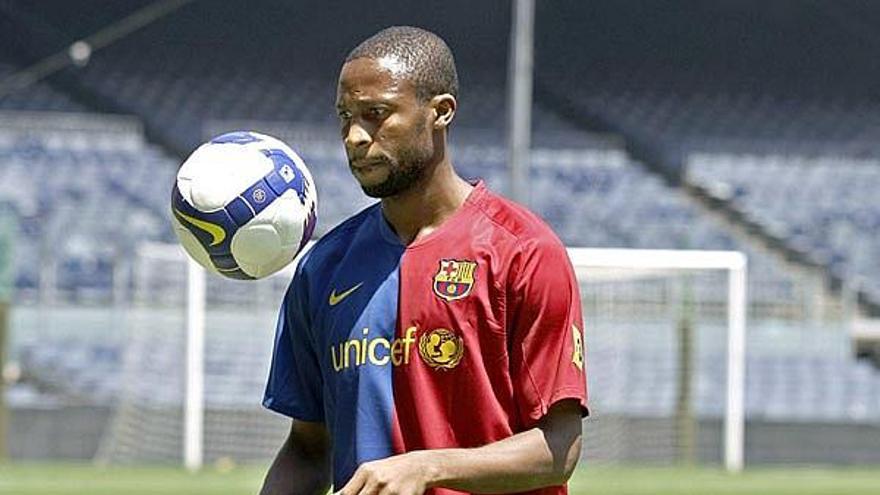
[194, 414]
[732, 262]
[199, 348]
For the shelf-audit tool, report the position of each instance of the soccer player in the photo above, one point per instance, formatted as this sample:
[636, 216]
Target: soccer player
[433, 341]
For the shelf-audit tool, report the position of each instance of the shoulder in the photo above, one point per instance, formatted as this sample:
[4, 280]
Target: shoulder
[334, 244]
[534, 256]
[526, 231]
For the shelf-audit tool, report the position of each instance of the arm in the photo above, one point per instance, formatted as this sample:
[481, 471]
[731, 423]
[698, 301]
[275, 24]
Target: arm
[302, 466]
[545, 455]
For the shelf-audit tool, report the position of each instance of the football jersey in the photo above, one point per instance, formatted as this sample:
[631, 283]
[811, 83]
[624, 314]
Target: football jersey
[463, 337]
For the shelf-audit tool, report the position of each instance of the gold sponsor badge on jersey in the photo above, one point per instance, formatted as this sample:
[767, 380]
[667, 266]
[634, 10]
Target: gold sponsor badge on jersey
[441, 349]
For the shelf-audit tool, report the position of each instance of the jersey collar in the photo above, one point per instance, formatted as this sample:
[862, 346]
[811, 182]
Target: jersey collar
[472, 201]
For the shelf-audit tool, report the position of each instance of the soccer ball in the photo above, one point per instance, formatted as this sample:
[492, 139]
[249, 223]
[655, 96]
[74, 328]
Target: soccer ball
[244, 205]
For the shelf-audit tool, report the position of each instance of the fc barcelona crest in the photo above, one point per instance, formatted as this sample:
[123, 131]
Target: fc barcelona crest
[454, 279]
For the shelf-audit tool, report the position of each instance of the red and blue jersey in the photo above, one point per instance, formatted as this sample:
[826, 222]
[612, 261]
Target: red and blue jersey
[464, 337]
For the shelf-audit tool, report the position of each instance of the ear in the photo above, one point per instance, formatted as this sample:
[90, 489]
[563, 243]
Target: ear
[444, 110]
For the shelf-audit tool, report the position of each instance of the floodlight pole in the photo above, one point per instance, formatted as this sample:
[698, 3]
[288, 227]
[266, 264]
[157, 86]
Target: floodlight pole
[520, 61]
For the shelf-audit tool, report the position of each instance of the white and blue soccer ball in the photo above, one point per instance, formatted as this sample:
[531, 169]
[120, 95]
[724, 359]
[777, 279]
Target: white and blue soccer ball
[244, 205]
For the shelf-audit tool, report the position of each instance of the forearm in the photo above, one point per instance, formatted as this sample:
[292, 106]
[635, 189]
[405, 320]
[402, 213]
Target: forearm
[525, 461]
[292, 476]
[300, 468]
[543, 456]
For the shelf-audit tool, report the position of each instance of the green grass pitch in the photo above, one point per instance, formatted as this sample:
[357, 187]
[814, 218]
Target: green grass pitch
[71, 479]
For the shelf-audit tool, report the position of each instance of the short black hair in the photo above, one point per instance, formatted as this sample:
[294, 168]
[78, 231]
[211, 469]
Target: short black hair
[426, 58]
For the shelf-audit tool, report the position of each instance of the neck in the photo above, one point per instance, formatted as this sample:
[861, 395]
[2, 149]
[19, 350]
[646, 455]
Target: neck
[420, 210]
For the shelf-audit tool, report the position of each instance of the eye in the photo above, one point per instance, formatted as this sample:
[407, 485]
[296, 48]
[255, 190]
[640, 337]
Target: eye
[344, 114]
[378, 112]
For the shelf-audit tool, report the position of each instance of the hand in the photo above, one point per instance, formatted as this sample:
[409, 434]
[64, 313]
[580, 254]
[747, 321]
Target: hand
[405, 474]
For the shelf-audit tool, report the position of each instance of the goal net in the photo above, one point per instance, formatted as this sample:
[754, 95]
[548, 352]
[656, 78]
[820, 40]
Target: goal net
[665, 337]
[153, 417]
[665, 359]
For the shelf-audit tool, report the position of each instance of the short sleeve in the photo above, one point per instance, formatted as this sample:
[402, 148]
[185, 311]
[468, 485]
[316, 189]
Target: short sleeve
[295, 384]
[547, 357]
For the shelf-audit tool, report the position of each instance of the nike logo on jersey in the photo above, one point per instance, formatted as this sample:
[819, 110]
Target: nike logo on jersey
[337, 298]
[216, 231]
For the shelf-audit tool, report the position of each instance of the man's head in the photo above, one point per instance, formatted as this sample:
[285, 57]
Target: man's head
[395, 99]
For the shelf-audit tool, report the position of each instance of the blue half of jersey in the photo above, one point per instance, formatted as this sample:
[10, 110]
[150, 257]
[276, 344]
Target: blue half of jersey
[306, 380]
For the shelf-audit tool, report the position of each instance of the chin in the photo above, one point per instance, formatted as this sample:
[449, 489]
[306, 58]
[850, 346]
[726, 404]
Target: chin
[384, 189]
[391, 183]
[371, 185]
[377, 191]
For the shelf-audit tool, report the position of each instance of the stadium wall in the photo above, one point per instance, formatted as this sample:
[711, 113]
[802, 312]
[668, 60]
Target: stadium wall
[66, 432]
[74, 433]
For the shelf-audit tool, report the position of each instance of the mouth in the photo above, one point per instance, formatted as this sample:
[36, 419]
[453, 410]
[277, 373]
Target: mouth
[366, 165]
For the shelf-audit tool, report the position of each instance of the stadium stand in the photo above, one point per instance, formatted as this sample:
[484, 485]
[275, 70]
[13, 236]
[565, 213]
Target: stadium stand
[72, 179]
[770, 113]
[840, 218]
[788, 148]
[39, 96]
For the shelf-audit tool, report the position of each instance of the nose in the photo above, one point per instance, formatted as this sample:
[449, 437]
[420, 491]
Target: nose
[357, 137]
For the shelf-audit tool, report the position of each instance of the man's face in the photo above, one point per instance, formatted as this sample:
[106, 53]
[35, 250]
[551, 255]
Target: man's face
[386, 128]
